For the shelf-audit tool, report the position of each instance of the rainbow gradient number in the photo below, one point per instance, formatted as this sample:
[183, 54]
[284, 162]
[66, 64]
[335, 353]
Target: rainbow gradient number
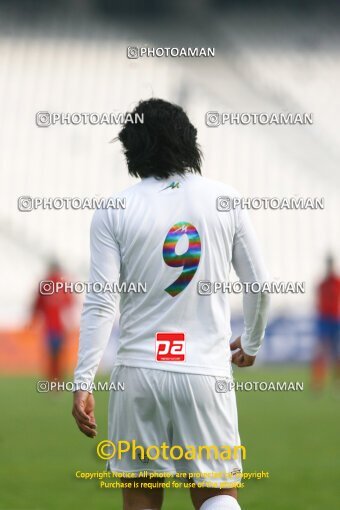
[189, 260]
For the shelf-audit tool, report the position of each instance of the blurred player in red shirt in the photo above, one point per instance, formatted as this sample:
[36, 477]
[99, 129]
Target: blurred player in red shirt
[328, 327]
[52, 304]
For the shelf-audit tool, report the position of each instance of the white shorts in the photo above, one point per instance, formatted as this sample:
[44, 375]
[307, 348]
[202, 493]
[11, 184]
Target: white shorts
[178, 409]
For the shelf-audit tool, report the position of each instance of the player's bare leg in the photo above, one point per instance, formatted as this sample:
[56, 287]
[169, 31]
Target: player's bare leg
[209, 499]
[141, 498]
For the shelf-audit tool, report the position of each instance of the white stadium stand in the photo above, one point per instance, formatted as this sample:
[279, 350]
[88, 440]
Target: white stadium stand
[89, 72]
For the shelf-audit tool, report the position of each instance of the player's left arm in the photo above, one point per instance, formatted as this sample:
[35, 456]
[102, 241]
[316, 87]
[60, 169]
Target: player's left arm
[249, 266]
[97, 318]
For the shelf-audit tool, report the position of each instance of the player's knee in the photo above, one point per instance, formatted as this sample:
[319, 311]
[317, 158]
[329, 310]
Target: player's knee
[214, 499]
[221, 502]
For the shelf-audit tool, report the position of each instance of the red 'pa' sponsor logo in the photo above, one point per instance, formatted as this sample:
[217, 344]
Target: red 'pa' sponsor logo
[170, 347]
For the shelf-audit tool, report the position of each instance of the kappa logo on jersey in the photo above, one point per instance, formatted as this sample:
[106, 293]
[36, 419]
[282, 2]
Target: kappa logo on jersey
[173, 185]
[236, 472]
[170, 347]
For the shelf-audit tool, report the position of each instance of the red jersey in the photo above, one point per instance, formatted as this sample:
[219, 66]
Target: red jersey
[52, 306]
[329, 297]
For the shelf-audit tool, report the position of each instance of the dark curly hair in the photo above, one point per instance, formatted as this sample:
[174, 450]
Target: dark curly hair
[164, 144]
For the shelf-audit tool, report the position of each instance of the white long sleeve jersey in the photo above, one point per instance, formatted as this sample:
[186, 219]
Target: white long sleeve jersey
[169, 238]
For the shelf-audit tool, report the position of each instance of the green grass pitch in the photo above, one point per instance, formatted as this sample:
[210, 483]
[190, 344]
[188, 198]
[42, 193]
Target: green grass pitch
[293, 435]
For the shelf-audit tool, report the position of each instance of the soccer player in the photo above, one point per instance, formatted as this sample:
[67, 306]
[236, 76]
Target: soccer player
[328, 309]
[51, 307]
[174, 355]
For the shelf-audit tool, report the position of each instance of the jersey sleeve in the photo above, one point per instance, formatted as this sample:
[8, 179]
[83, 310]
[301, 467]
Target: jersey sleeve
[249, 266]
[99, 308]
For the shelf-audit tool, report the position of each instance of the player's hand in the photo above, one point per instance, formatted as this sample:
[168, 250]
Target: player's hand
[239, 357]
[83, 412]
